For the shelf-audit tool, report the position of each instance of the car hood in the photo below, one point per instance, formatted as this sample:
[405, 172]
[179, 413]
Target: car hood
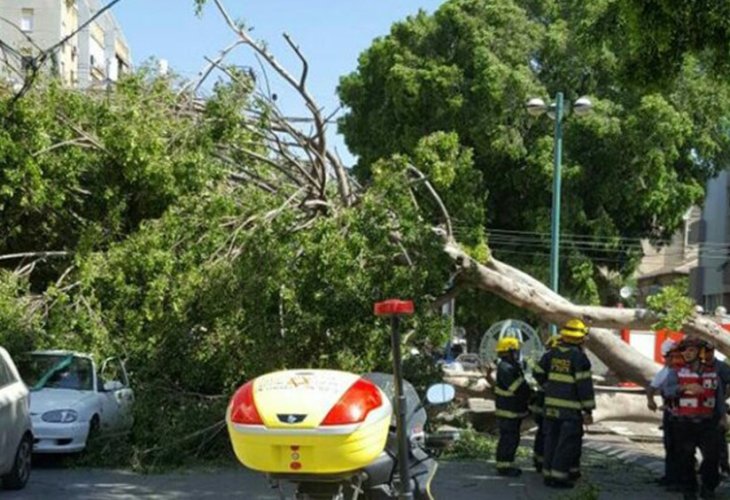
[58, 399]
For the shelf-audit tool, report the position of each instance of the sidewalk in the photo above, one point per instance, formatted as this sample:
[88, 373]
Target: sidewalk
[606, 476]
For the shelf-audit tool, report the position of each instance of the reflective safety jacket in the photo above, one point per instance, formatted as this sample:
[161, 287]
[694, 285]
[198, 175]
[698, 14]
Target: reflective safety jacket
[512, 390]
[564, 372]
[710, 403]
[698, 405]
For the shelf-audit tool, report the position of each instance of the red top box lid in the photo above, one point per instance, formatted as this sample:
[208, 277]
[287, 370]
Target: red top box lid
[393, 306]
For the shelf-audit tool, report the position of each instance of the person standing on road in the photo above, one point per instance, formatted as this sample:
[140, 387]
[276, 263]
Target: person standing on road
[565, 373]
[707, 354]
[672, 361]
[537, 408]
[512, 395]
[699, 391]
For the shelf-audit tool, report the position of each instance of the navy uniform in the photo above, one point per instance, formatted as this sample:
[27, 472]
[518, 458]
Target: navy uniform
[565, 374]
[537, 409]
[512, 395]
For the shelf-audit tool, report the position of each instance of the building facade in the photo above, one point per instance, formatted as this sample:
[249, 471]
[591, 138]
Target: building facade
[712, 278]
[94, 57]
[678, 258]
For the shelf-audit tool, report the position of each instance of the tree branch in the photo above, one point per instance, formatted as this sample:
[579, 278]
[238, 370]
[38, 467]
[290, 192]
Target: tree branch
[318, 143]
[437, 198]
[35, 255]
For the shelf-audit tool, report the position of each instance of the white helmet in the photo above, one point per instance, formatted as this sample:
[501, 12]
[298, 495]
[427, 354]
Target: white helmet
[667, 346]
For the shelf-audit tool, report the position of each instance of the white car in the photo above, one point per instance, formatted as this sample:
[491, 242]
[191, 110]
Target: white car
[16, 438]
[72, 400]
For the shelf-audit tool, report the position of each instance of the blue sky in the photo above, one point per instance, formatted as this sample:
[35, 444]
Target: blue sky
[332, 33]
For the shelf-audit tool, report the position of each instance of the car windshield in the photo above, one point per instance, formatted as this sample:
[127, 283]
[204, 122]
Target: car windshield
[56, 371]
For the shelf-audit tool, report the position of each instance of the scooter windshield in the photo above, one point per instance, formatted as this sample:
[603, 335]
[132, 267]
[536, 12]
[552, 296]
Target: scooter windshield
[416, 415]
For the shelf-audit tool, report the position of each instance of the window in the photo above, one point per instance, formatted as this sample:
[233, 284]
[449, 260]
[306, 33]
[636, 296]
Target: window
[113, 371]
[26, 20]
[62, 371]
[93, 61]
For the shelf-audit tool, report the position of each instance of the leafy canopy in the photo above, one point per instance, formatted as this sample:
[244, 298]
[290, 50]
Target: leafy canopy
[630, 169]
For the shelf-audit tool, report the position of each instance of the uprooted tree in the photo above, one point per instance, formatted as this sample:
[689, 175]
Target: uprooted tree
[211, 240]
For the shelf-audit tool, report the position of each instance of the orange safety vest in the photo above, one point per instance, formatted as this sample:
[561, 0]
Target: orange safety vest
[698, 405]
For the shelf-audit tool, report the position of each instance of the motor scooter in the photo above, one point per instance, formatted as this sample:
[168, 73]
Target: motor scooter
[335, 435]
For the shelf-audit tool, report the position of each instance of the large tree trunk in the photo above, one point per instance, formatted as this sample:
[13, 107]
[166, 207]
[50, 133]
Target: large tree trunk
[620, 357]
[611, 403]
[525, 291]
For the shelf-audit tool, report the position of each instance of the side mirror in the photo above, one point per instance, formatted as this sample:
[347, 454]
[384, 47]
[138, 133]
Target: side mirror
[113, 385]
[439, 394]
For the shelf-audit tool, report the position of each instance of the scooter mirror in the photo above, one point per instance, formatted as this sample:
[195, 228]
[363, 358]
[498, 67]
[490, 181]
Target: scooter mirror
[439, 394]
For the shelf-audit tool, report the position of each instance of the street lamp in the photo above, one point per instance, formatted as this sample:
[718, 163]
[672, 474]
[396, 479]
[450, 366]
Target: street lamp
[537, 107]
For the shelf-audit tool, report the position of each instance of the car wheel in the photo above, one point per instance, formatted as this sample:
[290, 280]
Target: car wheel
[93, 434]
[20, 473]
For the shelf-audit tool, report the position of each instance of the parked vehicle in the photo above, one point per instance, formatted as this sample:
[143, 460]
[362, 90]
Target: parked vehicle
[335, 434]
[332, 433]
[16, 437]
[72, 400]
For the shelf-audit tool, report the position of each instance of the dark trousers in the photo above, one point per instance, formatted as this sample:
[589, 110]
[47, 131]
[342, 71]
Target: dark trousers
[687, 436]
[563, 443]
[671, 472]
[538, 450]
[723, 450]
[509, 440]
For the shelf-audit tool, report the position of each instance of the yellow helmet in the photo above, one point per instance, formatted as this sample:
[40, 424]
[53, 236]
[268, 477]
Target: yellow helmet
[574, 329]
[506, 344]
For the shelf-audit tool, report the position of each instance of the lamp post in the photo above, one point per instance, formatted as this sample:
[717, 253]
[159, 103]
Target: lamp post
[537, 107]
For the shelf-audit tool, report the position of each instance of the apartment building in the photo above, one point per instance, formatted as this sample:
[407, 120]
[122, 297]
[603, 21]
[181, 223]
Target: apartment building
[712, 278]
[94, 57]
[678, 258]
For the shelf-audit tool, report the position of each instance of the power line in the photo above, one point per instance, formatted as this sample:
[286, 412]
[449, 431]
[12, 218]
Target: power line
[637, 241]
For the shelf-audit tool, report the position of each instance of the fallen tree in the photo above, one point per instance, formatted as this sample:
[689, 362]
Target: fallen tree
[271, 259]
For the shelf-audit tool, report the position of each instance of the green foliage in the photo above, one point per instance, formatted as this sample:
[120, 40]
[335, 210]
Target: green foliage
[472, 446]
[585, 490]
[672, 305]
[652, 39]
[81, 171]
[202, 283]
[20, 318]
[630, 169]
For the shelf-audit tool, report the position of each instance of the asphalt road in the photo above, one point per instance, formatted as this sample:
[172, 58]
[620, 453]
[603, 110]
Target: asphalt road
[616, 465]
[455, 481]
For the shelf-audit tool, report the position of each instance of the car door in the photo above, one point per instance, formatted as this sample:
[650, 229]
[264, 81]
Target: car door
[9, 426]
[117, 396]
[5, 413]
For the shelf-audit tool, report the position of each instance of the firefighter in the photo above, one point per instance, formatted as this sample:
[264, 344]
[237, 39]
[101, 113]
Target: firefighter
[512, 395]
[537, 408]
[698, 387]
[565, 373]
[672, 361]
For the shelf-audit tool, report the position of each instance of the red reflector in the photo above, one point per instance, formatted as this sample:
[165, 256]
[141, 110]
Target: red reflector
[295, 466]
[354, 406]
[393, 306]
[243, 406]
